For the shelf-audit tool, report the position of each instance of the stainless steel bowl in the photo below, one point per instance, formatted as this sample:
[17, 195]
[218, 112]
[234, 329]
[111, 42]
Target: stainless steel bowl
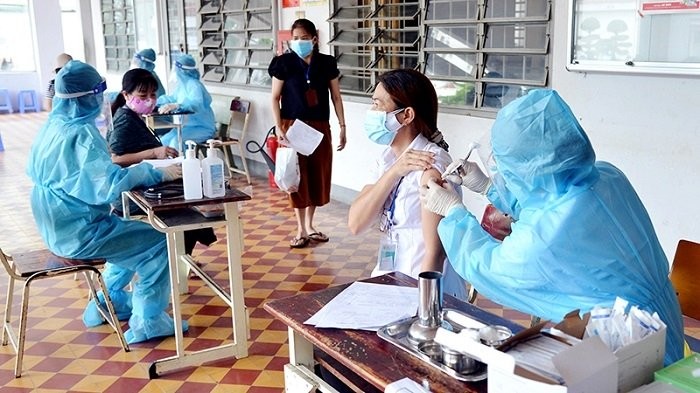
[432, 349]
[458, 361]
[494, 335]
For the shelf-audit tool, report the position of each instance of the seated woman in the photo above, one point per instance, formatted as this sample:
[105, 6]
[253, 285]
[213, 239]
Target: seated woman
[131, 141]
[404, 117]
[188, 95]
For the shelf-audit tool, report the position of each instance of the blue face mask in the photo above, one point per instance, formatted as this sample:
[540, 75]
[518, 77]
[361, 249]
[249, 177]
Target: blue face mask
[301, 47]
[382, 127]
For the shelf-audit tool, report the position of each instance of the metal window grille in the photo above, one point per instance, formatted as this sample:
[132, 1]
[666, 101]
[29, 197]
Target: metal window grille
[236, 41]
[480, 54]
[119, 33]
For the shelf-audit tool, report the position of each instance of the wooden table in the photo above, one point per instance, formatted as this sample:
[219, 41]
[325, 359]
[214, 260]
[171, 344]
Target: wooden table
[173, 217]
[361, 358]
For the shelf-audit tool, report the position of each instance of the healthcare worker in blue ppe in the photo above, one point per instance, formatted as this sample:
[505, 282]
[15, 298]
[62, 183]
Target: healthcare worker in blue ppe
[189, 95]
[146, 59]
[75, 181]
[581, 235]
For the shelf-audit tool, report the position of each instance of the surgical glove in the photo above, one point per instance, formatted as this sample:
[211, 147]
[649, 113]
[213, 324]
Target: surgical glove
[167, 108]
[438, 199]
[468, 174]
[171, 172]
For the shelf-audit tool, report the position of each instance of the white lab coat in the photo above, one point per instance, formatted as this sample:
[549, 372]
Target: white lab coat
[407, 227]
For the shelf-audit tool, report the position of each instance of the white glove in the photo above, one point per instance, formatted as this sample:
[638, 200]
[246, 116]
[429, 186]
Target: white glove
[171, 172]
[468, 174]
[438, 199]
[167, 108]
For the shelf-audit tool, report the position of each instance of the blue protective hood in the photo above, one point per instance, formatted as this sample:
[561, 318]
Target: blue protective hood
[540, 148]
[146, 59]
[76, 77]
[186, 68]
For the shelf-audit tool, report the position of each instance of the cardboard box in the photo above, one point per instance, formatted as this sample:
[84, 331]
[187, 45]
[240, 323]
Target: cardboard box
[587, 367]
[684, 374]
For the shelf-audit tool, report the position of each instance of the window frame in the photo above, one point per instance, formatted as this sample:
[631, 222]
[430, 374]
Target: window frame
[118, 55]
[627, 66]
[425, 51]
[231, 62]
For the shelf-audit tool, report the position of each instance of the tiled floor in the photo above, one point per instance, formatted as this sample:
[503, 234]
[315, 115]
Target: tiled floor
[62, 355]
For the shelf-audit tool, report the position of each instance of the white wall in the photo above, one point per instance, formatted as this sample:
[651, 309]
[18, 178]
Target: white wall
[49, 43]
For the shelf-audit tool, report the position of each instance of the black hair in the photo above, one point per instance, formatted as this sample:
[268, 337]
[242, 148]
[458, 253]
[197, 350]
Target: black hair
[408, 87]
[138, 79]
[309, 27]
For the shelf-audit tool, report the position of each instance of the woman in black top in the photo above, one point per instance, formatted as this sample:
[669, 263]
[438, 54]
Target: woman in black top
[131, 141]
[302, 82]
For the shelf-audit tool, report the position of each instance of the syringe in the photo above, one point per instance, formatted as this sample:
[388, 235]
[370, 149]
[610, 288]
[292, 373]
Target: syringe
[457, 168]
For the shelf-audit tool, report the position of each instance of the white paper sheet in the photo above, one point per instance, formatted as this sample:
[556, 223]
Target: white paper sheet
[367, 306]
[405, 385]
[161, 163]
[303, 138]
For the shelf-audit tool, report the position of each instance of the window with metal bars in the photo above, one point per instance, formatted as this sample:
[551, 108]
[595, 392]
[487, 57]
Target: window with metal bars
[480, 54]
[119, 34]
[236, 41]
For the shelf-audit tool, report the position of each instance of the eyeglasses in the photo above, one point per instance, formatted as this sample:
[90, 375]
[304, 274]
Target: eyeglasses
[99, 88]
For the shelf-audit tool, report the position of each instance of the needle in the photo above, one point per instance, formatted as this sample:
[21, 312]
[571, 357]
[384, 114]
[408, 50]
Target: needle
[459, 170]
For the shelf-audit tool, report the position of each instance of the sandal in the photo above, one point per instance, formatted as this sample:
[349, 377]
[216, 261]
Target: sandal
[318, 237]
[299, 242]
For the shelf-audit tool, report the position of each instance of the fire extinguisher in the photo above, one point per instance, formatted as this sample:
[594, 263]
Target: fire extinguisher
[271, 144]
[268, 151]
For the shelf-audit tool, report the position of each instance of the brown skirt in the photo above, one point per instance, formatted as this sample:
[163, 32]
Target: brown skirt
[314, 170]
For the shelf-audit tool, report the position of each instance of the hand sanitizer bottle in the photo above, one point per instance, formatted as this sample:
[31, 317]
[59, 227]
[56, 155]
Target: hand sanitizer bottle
[192, 172]
[213, 173]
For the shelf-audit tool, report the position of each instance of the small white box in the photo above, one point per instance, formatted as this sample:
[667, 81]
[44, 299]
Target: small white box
[587, 367]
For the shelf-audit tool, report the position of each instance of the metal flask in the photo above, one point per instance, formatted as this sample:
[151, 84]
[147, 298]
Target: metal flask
[429, 308]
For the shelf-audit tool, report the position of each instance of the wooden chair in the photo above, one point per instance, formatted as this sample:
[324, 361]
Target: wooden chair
[685, 272]
[233, 134]
[36, 265]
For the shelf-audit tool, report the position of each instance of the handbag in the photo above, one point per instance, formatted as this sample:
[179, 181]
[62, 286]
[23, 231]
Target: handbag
[287, 170]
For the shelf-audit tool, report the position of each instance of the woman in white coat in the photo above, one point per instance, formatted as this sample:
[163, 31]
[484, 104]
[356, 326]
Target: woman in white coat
[404, 118]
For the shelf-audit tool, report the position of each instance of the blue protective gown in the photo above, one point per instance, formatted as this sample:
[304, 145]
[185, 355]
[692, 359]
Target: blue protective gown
[582, 235]
[74, 182]
[192, 96]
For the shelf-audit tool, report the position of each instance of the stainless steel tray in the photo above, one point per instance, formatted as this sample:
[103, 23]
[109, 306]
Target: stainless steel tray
[397, 334]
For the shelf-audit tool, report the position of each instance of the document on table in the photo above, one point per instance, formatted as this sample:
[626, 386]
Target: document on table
[161, 163]
[406, 385]
[367, 306]
[303, 138]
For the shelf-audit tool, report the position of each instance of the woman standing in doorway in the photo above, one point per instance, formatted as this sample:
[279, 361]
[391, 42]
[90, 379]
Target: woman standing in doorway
[301, 83]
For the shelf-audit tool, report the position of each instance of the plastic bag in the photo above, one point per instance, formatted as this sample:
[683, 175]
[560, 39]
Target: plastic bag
[287, 169]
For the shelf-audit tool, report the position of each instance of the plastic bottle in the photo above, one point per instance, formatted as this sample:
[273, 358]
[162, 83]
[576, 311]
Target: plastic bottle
[213, 173]
[192, 172]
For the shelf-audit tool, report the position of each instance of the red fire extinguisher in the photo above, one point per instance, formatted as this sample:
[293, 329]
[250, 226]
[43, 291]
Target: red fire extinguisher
[271, 144]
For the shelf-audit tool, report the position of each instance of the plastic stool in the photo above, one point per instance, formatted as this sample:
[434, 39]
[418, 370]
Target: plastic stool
[5, 103]
[22, 98]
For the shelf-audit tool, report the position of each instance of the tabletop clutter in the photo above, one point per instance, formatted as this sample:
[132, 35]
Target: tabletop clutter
[614, 348]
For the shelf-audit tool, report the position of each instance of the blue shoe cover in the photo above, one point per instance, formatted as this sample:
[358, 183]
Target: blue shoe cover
[121, 300]
[91, 316]
[141, 330]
